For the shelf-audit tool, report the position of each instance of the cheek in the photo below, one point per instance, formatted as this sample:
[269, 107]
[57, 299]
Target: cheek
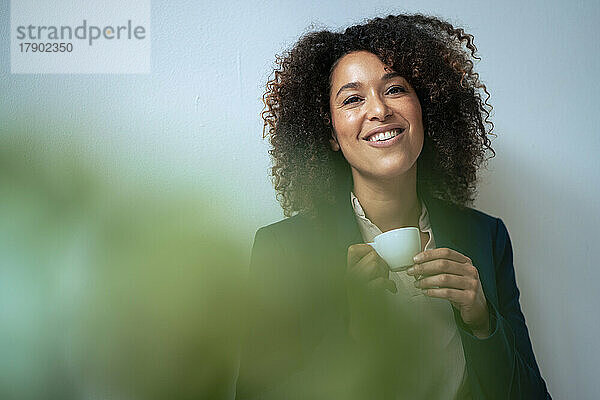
[418, 113]
[345, 123]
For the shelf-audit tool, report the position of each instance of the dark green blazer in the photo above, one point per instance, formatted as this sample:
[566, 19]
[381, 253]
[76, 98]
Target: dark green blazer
[302, 260]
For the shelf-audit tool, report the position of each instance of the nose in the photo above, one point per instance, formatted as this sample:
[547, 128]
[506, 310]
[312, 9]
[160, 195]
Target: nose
[378, 109]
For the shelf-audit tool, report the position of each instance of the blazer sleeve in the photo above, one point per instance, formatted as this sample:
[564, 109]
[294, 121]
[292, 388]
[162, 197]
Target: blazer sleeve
[503, 363]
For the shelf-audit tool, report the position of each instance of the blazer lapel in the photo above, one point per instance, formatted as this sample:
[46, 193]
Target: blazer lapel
[445, 228]
[346, 226]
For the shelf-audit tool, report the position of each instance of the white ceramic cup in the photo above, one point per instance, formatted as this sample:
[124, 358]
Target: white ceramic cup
[398, 247]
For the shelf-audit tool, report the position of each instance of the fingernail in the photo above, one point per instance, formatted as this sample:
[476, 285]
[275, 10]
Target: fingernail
[410, 271]
[418, 257]
[417, 283]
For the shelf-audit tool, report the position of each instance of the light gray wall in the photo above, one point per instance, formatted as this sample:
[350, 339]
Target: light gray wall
[195, 121]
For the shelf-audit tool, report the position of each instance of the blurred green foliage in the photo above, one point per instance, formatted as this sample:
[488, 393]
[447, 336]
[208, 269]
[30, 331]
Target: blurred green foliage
[112, 287]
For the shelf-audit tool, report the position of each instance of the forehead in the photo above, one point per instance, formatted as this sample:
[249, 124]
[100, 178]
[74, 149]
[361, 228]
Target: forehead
[358, 66]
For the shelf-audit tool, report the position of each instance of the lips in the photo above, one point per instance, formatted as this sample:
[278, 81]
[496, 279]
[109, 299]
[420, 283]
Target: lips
[383, 129]
[386, 138]
[387, 135]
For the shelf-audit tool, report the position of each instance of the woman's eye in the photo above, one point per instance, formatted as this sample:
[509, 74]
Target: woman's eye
[351, 100]
[396, 89]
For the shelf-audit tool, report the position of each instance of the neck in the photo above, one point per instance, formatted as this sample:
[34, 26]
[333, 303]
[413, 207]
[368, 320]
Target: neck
[389, 204]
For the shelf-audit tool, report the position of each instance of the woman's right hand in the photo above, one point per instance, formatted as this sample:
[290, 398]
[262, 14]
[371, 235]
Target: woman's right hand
[367, 270]
[367, 277]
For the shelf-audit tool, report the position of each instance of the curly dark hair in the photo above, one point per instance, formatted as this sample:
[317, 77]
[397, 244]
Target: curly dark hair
[428, 52]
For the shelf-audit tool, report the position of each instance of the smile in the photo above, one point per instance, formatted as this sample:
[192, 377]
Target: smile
[383, 136]
[385, 139]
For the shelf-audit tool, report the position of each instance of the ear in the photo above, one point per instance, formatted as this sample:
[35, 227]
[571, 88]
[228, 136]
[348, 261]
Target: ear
[335, 146]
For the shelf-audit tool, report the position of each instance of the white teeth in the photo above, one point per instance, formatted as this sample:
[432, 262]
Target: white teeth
[385, 135]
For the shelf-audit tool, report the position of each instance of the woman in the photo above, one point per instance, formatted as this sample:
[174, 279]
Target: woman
[376, 128]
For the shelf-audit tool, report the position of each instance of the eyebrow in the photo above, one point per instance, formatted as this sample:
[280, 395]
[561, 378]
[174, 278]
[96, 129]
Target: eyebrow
[356, 85]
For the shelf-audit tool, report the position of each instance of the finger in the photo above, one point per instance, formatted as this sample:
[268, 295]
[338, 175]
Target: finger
[447, 281]
[365, 269]
[366, 272]
[358, 251]
[371, 266]
[442, 252]
[382, 283]
[456, 296]
[442, 266]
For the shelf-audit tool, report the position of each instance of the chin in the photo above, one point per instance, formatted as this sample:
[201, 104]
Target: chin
[394, 169]
[389, 172]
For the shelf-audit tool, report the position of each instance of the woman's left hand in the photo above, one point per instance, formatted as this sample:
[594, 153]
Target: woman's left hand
[448, 274]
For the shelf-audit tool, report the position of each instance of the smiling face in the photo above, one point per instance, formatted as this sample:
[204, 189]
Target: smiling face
[367, 98]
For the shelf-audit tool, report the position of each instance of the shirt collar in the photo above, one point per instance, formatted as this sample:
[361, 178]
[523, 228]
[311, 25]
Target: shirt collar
[443, 218]
[360, 213]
